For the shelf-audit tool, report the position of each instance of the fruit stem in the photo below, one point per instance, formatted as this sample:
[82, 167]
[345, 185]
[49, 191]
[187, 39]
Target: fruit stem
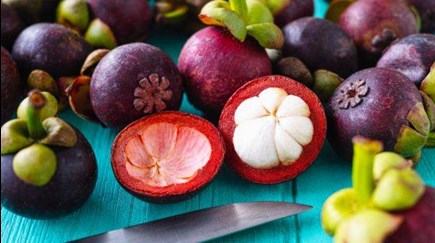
[362, 170]
[240, 7]
[34, 124]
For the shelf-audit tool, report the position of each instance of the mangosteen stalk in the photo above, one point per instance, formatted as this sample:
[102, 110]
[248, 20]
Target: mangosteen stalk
[34, 124]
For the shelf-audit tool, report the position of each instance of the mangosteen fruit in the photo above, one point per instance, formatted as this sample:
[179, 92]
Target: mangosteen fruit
[128, 20]
[217, 60]
[295, 69]
[168, 156]
[374, 25]
[29, 10]
[11, 89]
[11, 25]
[388, 201]
[412, 56]
[380, 104]
[48, 169]
[132, 81]
[274, 128]
[320, 44]
[426, 10]
[51, 48]
[286, 11]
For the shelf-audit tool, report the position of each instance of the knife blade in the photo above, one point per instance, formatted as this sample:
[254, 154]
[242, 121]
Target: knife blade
[204, 224]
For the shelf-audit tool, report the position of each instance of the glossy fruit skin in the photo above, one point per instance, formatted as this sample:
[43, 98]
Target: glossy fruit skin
[280, 173]
[11, 88]
[412, 56]
[321, 44]
[117, 76]
[129, 20]
[418, 221]
[214, 65]
[380, 115]
[69, 188]
[294, 10]
[11, 25]
[426, 9]
[177, 192]
[373, 25]
[52, 48]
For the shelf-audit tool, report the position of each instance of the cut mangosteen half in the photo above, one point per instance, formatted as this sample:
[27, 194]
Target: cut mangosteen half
[274, 128]
[168, 156]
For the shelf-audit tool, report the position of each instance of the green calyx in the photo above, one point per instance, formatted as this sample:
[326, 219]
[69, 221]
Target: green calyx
[242, 18]
[73, 14]
[325, 83]
[428, 84]
[386, 161]
[41, 80]
[99, 35]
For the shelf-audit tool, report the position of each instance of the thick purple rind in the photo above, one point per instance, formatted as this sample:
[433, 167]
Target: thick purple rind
[381, 114]
[321, 44]
[70, 187]
[214, 65]
[11, 88]
[129, 20]
[52, 48]
[294, 10]
[11, 25]
[412, 56]
[117, 76]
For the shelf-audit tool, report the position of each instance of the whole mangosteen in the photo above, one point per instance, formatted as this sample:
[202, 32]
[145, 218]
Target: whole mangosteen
[10, 86]
[321, 44]
[51, 48]
[11, 25]
[128, 20]
[380, 104]
[412, 56]
[132, 81]
[48, 169]
[216, 61]
[289, 10]
[374, 25]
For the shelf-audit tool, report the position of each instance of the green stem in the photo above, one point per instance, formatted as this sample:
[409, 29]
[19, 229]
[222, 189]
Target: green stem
[362, 171]
[240, 7]
[34, 124]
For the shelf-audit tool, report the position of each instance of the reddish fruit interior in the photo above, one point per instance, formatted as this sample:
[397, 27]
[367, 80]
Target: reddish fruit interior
[166, 154]
[280, 173]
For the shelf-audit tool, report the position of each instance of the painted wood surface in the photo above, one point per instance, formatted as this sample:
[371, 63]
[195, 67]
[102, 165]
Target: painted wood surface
[111, 207]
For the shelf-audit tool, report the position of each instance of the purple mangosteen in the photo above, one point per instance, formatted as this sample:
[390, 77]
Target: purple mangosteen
[11, 89]
[321, 44]
[11, 25]
[412, 56]
[289, 10]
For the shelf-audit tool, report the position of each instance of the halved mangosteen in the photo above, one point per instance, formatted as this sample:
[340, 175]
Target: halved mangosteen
[274, 128]
[167, 157]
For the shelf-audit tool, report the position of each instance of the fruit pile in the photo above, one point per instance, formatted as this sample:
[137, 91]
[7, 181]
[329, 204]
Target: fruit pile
[272, 81]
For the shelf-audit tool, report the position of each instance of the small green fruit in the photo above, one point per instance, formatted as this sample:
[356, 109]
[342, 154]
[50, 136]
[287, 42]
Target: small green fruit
[49, 110]
[35, 164]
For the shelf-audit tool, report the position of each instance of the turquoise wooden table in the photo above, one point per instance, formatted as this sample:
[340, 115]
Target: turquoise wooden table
[111, 207]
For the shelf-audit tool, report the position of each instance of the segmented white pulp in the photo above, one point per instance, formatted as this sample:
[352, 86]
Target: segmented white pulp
[272, 128]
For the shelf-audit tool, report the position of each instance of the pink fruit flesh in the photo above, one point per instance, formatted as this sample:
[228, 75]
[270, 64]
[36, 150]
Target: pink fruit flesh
[164, 154]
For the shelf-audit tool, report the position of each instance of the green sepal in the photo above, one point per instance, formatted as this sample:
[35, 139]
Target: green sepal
[267, 34]
[240, 7]
[216, 13]
[35, 164]
[258, 13]
[41, 80]
[99, 35]
[430, 143]
[398, 190]
[386, 161]
[176, 15]
[409, 142]
[73, 14]
[91, 62]
[59, 133]
[428, 84]
[418, 118]
[429, 107]
[14, 136]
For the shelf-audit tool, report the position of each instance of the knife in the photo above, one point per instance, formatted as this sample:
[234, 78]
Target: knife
[204, 224]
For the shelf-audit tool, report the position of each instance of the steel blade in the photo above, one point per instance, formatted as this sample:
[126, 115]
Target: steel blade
[204, 224]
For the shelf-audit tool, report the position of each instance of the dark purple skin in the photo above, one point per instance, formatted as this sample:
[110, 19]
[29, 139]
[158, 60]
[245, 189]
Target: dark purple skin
[412, 56]
[129, 20]
[321, 44]
[426, 9]
[419, 221]
[214, 65]
[116, 81]
[373, 25]
[48, 10]
[295, 9]
[11, 26]
[11, 89]
[52, 48]
[70, 187]
[379, 116]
